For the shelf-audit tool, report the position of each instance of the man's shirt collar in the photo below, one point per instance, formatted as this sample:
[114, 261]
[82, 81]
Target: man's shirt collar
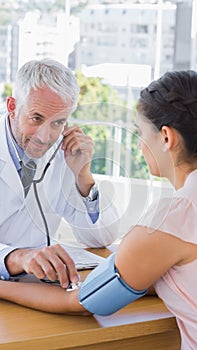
[15, 150]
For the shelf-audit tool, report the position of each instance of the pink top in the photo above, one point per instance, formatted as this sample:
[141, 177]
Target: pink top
[178, 287]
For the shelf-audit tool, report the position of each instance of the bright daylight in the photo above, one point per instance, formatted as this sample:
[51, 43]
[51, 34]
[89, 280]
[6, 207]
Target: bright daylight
[98, 173]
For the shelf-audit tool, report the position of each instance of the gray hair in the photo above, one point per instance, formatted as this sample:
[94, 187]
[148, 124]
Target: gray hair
[38, 73]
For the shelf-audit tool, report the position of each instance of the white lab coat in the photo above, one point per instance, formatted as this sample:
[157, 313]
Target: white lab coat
[21, 224]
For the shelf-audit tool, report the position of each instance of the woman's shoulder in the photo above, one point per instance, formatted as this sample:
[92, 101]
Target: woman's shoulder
[189, 190]
[176, 215]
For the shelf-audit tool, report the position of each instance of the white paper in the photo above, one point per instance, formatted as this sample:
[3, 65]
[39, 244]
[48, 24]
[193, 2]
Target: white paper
[83, 259]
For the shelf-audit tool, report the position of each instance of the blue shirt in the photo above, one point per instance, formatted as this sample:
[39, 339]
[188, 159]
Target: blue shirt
[16, 152]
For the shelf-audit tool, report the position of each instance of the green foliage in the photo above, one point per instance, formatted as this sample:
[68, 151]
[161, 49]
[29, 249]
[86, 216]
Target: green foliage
[94, 93]
[7, 91]
[100, 111]
[100, 134]
[75, 10]
[59, 5]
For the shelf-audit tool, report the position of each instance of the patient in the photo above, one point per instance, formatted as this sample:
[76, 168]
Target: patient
[161, 250]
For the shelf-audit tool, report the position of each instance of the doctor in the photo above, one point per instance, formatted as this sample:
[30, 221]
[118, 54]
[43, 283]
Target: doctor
[45, 94]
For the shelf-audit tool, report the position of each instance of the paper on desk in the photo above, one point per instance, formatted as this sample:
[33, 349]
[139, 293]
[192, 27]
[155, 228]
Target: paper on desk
[82, 258]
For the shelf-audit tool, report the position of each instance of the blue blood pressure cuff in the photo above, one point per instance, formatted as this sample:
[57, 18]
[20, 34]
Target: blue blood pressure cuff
[104, 292]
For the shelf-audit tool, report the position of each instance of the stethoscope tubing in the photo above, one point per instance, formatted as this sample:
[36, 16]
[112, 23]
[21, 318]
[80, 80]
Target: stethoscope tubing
[35, 182]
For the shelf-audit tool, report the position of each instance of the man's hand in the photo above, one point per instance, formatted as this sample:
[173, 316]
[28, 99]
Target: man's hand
[78, 149]
[51, 262]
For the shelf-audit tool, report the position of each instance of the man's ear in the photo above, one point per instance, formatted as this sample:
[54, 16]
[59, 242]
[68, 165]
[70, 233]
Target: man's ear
[11, 104]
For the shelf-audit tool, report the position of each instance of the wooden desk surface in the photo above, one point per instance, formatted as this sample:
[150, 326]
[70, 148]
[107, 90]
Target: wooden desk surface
[143, 325]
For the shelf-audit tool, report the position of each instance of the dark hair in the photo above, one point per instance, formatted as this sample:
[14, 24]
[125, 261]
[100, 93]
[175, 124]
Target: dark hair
[172, 101]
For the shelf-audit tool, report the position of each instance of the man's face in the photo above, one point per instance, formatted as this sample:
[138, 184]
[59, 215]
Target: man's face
[39, 121]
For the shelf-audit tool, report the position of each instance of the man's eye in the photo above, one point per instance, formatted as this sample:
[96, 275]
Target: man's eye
[59, 123]
[36, 119]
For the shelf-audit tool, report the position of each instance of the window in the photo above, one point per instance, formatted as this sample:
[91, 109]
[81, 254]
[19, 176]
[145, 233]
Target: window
[106, 41]
[138, 42]
[139, 28]
[107, 27]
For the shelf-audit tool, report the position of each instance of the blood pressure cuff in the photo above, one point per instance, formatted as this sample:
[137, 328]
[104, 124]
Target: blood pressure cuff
[104, 292]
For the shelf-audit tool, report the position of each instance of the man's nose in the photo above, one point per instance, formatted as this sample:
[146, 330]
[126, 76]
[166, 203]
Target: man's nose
[44, 133]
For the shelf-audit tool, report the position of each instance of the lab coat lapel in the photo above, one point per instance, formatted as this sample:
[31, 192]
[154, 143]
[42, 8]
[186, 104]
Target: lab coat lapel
[8, 172]
[9, 175]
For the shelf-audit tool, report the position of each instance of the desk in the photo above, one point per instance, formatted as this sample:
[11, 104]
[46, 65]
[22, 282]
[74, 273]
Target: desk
[143, 325]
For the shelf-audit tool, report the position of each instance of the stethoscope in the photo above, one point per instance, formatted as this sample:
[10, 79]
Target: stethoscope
[37, 181]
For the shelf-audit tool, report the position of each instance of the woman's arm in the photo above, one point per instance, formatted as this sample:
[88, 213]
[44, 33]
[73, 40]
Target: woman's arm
[143, 257]
[42, 297]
